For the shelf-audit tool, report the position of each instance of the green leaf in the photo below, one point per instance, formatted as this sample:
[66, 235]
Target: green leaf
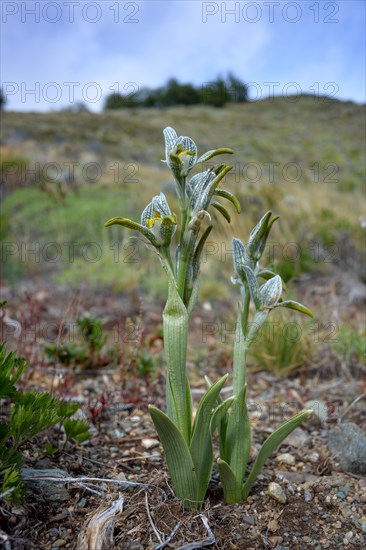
[210, 154]
[13, 483]
[125, 222]
[221, 172]
[258, 236]
[31, 414]
[222, 210]
[11, 369]
[196, 261]
[76, 429]
[291, 304]
[9, 457]
[230, 197]
[270, 445]
[67, 408]
[201, 442]
[238, 437]
[232, 488]
[194, 296]
[178, 457]
[220, 412]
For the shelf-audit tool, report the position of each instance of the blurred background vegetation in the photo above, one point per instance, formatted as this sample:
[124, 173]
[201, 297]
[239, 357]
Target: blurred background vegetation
[63, 174]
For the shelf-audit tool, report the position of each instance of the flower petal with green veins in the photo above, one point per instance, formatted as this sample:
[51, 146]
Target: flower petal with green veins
[247, 275]
[271, 292]
[258, 236]
[267, 274]
[171, 137]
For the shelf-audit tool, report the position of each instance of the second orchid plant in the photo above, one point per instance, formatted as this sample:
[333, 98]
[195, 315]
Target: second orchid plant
[187, 442]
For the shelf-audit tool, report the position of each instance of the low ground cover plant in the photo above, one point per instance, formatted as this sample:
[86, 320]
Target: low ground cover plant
[179, 242]
[24, 416]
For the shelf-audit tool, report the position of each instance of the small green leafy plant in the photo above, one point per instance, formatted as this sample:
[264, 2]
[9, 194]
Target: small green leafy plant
[31, 413]
[187, 442]
[87, 353]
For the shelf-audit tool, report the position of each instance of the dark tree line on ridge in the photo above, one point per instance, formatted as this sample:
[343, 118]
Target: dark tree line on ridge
[216, 93]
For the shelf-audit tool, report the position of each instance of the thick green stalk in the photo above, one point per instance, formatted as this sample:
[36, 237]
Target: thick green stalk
[240, 347]
[175, 327]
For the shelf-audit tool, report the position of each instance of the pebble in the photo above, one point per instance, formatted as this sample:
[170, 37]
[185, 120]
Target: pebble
[58, 543]
[314, 457]
[348, 443]
[277, 493]
[298, 438]
[52, 491]
[286, 458]
[272, 526]
[117, 434]
[292, 477]
[82, 503]
[148, 443]
[308, 496]
[275, 540]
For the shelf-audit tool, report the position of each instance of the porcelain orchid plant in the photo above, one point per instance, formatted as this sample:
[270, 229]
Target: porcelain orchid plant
[179, 241]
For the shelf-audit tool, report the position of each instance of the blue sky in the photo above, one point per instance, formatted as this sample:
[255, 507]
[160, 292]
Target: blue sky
[66, 51]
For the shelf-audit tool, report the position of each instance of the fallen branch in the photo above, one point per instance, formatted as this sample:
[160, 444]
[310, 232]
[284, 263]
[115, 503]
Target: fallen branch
[99, 530]
[151, 520]
[170, 538]
[80, 480]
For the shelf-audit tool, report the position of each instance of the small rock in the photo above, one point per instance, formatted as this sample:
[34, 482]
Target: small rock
[121, 476]
[292, 477]
[117, 434]
[58, 543]
[53, 491]
[250, 519]
[272, 526]
[348, 443]
[82, 503]
[308, 496]
[275, 540]
[298, 438]
[275, 491]
[314, 457]
[149, 443]
[286, 458]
